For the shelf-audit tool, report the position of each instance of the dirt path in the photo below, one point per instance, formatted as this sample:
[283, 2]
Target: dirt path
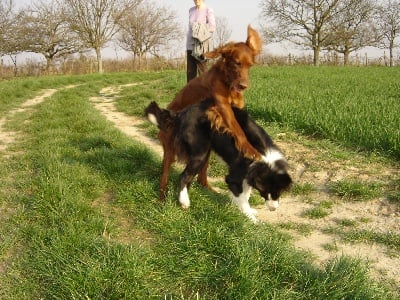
[127, 124]
[377, 215]
[9, 137]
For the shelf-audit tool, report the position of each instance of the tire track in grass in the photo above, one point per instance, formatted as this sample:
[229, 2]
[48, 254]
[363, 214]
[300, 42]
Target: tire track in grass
[127, 124]
[105, 104]
[9, 137]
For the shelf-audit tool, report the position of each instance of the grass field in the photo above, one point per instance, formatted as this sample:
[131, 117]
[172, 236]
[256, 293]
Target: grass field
[357, 107]
[78, 199]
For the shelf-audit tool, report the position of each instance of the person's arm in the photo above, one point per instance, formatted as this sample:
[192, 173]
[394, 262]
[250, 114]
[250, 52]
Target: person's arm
[211, 19]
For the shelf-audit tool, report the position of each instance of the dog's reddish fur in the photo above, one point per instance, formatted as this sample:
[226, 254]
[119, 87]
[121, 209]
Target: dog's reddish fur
[225, 81]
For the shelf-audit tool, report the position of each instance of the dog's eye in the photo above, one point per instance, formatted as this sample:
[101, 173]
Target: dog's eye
[238, 63]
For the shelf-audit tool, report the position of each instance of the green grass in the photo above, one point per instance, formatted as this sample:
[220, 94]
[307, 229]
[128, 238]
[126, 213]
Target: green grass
[355, 190]
[302, 189]
[347, 222]
[394, 194]
[304, 229]
[357, 107]
[319, 211]
[81, 220]
[389, 239]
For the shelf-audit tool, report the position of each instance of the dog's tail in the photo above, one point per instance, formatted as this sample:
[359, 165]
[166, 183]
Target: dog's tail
[162, 118]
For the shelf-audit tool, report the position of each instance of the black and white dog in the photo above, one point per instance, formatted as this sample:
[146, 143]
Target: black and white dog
[194, 139]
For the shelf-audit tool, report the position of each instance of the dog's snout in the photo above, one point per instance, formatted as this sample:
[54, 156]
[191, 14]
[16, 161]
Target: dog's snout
[243, 86]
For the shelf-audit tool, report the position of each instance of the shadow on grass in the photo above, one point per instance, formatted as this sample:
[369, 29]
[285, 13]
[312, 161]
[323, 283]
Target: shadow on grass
[115, 161]
[137, 167]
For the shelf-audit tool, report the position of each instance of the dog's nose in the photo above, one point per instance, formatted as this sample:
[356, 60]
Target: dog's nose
[243, 86]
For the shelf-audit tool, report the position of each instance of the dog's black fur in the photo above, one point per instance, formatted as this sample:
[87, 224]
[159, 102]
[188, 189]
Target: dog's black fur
[194, 139]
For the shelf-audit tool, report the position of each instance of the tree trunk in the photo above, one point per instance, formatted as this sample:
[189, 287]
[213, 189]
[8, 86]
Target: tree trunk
[99, 61]
[346, 57]
[140, 61]
[49, 66]
[14, 60]
[316, 55]
[391, 57]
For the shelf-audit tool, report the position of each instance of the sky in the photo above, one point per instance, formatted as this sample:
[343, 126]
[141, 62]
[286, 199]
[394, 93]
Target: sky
[238, 13]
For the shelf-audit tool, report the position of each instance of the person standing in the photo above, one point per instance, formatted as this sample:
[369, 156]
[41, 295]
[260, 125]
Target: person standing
[199, 38]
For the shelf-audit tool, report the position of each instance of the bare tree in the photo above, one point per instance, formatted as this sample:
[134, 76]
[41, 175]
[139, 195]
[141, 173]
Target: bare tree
[148, 29]
[6, 21]
[388, 22]
[352, 29]
[222, 31]
[43, 29]
[95, 21]
[299, 21]
[9, 44]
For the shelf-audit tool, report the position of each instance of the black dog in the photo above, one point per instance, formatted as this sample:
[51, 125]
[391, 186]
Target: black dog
[194, 139]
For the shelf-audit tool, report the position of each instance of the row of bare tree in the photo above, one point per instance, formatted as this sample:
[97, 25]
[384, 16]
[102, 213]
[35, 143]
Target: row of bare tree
[57, 29]
[343, 26]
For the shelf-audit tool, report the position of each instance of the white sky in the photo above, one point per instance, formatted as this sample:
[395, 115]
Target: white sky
[238, 13]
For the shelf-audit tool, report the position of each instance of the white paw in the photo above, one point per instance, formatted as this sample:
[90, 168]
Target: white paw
[250, 214]
[184, 198]
[254, 211]
[273, 204]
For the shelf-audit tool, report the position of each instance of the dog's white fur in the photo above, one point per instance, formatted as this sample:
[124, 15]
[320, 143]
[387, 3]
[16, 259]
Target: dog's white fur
[271, 157]
[184, 198]
[242, 202]
[152, 118]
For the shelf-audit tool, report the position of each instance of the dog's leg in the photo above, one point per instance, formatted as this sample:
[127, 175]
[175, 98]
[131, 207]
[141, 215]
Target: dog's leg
[233, 127]
[185, 179]
[166, 166]
[242, 201]
[202, 176]
[168, 159]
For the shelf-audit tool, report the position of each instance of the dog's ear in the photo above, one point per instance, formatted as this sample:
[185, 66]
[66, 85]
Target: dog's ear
[282, 182]
[220, 51]
[285, 181]
[258, 171]
[254, 40]
[212, 54]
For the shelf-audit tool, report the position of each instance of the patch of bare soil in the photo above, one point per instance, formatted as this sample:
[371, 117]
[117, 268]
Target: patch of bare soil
[126, 233]
[308, 166]
[8, 137]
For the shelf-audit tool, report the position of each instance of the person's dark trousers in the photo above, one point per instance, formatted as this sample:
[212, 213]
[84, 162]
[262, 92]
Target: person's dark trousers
[193, 66]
